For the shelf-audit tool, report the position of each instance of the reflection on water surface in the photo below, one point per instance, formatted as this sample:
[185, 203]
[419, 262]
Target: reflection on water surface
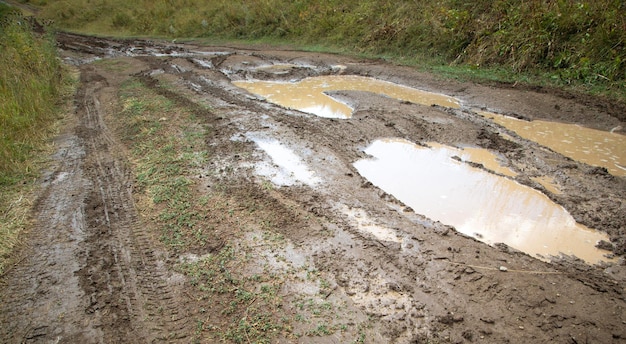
[477, 203]
[308, 95]
[287, 167]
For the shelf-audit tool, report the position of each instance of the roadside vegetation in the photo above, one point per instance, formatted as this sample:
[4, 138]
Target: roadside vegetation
[577, 44]
[32, 84]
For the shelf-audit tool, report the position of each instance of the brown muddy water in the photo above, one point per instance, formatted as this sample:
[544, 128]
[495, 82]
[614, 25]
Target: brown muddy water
[309, 95]
[593, 147]
[491, 208]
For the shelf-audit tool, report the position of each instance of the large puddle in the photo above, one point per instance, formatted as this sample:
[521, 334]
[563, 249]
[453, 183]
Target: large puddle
[593, 147]
[488, 207]
[309, 95]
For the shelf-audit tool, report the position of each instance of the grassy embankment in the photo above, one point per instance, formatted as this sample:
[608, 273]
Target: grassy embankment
[31, 84]
[580, 45]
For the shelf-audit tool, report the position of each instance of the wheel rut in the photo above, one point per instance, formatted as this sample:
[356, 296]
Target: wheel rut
[92, 267]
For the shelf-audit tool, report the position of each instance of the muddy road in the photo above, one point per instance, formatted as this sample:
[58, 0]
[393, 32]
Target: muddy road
[282, 234]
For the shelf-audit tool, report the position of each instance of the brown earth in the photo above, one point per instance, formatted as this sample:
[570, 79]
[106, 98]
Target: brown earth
[93, 270]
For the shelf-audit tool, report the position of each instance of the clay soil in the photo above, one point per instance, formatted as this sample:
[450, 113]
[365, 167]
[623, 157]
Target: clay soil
[94, 270]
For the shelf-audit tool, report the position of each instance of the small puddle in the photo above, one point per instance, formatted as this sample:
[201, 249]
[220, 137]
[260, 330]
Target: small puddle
[308, 95]
[287, 168]
[590, 146]
[364, 223]
[477, 203]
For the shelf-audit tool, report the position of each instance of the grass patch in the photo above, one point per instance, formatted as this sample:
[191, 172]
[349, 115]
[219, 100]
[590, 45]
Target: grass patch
[33, 86]
[244, 309]
[161, 136]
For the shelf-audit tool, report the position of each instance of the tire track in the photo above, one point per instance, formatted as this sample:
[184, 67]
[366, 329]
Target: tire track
[92, 273]
[134, 297]
[42, 296]
[443, 302]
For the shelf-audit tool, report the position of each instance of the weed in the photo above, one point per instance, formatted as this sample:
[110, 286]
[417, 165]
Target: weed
[248, 309]
[361, 338]
[267, 185]
[321, 330]
[270, 236]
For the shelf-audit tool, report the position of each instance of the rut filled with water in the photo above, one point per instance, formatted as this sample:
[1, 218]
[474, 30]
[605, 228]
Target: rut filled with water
[310, 95]
[491, 208]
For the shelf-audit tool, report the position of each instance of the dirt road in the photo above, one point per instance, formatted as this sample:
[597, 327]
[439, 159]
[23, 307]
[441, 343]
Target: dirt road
[260, 254]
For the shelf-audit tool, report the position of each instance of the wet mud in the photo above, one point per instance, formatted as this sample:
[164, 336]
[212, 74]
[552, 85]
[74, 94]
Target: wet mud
[90, 272]
[94, 272]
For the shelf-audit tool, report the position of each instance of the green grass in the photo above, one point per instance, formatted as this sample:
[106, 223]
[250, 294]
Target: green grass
[32, 88]
[166, 142]
[562, 43]
[246, 305]
[31, 83]
[161, 136]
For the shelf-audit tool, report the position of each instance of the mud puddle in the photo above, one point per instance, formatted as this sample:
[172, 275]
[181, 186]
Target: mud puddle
[362, 221]
[286, 168]
[310, 94]
[490, 208]
[593, 147]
